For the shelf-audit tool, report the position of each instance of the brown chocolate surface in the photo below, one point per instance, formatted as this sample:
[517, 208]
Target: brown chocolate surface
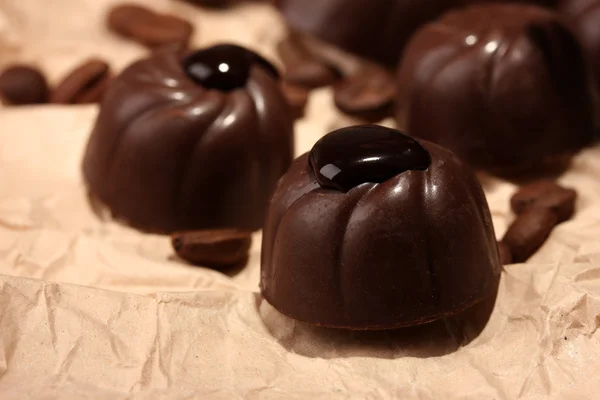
[503, 86]
[584, 17]
[168, 154]
[413, 248]
[375, 29]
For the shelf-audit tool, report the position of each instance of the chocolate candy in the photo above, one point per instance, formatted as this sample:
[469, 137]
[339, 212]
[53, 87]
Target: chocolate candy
[374, 29]
[404, 239]
[224, 67]
[168, 153]
[361, 154]
[504, 86]
[584, 18]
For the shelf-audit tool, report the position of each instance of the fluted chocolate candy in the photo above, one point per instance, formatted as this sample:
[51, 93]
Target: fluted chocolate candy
[503, 86]
[376, 230]
[188, 143]
[374, 29]
[584, 17]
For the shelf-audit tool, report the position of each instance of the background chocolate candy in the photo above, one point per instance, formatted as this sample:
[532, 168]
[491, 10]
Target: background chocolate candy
[374, 29]
[168, 153]
[503, 86]
[410, 249]
[584, 17]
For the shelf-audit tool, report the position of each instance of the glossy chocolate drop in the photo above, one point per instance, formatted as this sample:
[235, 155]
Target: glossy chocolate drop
[224, 67]
[351, 156]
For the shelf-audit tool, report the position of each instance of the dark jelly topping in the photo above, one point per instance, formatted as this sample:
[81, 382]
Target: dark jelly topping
[224, 67]
[351, 156]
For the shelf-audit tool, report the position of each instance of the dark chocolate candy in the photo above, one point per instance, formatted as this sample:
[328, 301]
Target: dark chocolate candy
[584, 18]
[168, 154]
[414, 248]
[361, 154]
[503, 86]
[375, 29]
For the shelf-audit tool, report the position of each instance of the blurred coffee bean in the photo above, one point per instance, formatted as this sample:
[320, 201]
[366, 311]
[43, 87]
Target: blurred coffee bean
[303, 69]
[21, 84]
[297, 98]
[528, 233]
[149, 28]
[87, 83]
[545, 194]
[368, 95]
[213, 248]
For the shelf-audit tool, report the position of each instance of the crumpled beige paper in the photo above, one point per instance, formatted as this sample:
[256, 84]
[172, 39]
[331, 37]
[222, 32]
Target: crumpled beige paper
[97, 310]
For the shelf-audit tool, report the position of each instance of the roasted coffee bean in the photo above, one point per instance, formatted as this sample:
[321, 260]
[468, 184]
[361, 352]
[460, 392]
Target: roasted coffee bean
[297, 98]
[22, 84]
[529, 232]
[505, 253]
[545, 194]
[223, 3]
[303, 69]
[311, 74]
[368, 95]
[213, 248]
[211, 3]
[149, 28]
[85, 84]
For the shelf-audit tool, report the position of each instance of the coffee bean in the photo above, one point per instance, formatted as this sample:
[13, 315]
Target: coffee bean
[505, 253]
[213, 248]
[529, 232]
[303, 69]
[22, 84]
[149, 28]
[211, 3]
[545, 194]
[368, 95]
[311, 74]
[87, 83]
[297, 98]
[223, 3]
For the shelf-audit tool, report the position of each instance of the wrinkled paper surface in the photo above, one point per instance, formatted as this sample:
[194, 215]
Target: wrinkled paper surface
[92, 309]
